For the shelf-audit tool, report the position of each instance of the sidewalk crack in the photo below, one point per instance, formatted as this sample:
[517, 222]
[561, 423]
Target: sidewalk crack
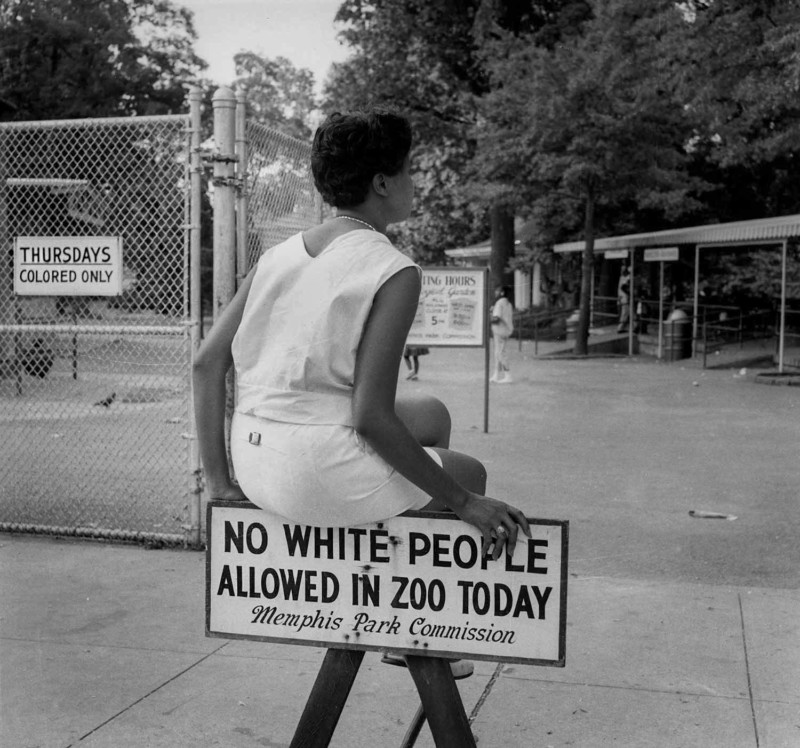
[147, 695]
[747, 670]
[486, 691]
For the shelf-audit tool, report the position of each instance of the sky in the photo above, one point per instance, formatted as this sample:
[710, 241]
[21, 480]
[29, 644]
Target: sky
[300, 30]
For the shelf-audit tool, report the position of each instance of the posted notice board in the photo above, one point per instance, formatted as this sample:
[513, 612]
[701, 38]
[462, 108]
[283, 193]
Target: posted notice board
[68, 265]
[452, 308]
[415, 584]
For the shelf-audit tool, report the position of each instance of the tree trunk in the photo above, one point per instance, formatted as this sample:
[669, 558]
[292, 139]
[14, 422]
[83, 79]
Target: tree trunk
[502, 225]
[582, 330]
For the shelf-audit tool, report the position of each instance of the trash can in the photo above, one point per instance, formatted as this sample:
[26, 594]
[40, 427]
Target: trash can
[572, 324]
[677, 336]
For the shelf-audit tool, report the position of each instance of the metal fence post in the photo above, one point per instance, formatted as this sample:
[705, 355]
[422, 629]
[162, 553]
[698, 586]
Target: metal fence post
[8, 352]
[224, 103]
[195, 304]
[241, 196]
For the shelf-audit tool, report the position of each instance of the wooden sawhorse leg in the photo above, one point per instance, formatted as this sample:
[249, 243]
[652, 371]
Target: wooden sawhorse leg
[441, 701]
[441, 705]
[327, 699]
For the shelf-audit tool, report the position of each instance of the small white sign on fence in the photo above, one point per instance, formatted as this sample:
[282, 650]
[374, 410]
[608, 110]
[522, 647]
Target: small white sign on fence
[415, 584]
[452, 308]
[68, 265]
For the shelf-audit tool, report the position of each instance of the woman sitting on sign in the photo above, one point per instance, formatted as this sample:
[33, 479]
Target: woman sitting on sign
[315, 334]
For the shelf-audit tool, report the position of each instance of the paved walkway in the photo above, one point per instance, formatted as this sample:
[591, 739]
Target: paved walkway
[682, 632]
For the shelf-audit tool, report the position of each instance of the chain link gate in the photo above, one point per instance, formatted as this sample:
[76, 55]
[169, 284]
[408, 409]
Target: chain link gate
[281, 197]
[94, 391]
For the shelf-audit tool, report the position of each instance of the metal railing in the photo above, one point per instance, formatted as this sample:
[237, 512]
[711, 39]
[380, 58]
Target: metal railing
[541, 325]
[731, 328]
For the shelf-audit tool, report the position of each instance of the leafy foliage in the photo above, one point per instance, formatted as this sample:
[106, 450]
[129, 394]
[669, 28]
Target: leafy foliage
[278, 94]
[62, 59]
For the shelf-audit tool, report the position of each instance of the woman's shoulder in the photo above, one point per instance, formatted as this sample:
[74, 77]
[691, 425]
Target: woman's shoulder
[289, 245]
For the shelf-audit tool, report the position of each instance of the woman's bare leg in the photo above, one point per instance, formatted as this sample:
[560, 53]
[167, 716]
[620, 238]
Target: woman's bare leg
[426, 417]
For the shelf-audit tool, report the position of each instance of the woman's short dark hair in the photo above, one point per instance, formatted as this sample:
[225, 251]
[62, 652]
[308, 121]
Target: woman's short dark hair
[350, 149]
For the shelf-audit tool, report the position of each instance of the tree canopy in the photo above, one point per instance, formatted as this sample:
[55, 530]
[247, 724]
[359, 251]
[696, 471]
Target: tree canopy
[584, 115]
[278, 94]
[62, 59]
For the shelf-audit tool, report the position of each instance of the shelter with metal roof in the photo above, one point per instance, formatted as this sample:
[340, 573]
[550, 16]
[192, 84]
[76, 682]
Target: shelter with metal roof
[763, 232]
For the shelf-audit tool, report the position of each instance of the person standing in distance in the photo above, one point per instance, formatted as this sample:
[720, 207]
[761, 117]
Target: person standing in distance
[502, 327]
[624, 299]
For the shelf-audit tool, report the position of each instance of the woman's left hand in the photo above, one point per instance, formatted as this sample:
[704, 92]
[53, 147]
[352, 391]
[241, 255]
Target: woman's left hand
[497, 521]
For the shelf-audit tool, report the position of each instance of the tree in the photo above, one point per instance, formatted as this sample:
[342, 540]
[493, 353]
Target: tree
[419, 58]
[426, 60]
[63, 59]
[278, 94]
[589, 124]
[739, 75]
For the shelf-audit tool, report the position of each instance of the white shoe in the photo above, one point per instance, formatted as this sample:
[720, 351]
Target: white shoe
[459, 668]
[493, 379]
[505, 380]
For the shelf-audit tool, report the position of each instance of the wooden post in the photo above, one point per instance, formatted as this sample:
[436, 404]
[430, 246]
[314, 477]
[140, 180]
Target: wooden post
[441, 702]
[327, 699]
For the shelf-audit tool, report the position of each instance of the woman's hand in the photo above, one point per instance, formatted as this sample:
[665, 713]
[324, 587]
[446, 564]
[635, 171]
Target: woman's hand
[498, 522]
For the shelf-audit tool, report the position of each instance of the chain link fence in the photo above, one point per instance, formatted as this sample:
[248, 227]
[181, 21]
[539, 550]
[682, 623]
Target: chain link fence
[94, 391]
[281, 197]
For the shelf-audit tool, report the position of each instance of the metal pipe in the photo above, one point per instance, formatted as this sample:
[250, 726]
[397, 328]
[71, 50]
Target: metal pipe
[782, 338]
[195, 306]
[224, 103]
[242, 259]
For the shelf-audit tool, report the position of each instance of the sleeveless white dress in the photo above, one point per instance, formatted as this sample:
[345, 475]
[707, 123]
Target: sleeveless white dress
[294, 449]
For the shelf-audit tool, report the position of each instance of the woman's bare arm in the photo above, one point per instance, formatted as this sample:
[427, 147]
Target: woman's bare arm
[211, 365]
[375, 419]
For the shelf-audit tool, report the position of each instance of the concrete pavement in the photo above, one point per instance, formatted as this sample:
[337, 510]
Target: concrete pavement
[681, 632]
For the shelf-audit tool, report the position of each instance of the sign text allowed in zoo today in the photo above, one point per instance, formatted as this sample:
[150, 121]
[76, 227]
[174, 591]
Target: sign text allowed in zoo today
[415, 584]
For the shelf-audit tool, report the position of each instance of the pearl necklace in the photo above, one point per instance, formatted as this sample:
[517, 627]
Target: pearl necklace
[358, 220]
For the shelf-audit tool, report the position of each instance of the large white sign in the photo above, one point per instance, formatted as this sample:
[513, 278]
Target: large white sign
[68, 265]
[413, 584]
[452, 308]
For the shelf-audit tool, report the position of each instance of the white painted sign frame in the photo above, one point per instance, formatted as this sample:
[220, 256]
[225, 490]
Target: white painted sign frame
[447, 604]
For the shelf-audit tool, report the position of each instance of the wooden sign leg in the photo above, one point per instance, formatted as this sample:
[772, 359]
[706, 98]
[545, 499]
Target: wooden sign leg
[327, 699]
[414, 729]
[441, 702]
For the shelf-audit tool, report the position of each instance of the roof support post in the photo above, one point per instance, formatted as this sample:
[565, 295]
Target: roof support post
[696, 307]
[782, 333]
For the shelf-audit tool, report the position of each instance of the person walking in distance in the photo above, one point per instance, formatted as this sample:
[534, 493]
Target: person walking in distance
[411, 355]
[502, 327]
